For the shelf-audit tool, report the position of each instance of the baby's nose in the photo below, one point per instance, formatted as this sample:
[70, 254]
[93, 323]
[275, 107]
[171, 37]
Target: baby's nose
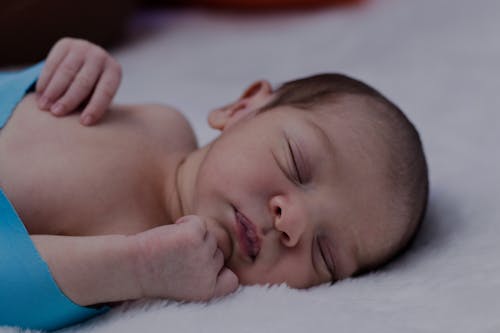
[287, 221]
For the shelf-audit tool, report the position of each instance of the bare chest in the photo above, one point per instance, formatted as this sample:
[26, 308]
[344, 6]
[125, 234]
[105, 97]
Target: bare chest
[64, 178]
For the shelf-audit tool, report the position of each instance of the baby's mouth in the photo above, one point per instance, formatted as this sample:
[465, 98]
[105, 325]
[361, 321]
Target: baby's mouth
[247, 235]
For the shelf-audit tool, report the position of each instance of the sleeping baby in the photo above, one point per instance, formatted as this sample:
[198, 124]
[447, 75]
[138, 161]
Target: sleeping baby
[318, 180]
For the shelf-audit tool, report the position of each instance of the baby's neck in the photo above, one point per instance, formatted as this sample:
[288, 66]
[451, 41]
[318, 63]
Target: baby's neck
[182, 199]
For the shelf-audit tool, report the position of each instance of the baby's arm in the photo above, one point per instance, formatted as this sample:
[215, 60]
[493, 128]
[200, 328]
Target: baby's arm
[92, 269]
[179, 261]
[76, 71]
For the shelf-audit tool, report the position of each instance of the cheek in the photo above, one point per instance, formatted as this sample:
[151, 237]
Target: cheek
[236, 172]
[220, 174]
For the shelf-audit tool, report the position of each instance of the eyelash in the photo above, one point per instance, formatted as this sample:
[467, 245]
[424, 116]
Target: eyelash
[296, 168]
[324, 258]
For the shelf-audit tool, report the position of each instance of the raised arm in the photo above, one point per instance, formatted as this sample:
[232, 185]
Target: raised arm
[77, 72]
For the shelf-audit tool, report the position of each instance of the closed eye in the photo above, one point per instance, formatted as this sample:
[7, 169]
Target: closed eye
[326, 261]
[294, 161]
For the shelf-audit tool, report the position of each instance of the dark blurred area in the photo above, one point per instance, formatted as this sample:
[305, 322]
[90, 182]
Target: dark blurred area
[29, 28]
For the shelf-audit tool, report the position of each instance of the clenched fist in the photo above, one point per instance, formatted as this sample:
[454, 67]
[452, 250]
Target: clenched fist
[182, 262]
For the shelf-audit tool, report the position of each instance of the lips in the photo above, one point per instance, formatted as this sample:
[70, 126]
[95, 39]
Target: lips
[247, 235]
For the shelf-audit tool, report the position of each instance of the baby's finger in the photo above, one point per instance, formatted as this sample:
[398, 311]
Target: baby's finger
[80, 88]
[103, 95]
[227, 282]
[218, 259]
[62, 78]
[54, 59]
[184, 219]
[211, 243]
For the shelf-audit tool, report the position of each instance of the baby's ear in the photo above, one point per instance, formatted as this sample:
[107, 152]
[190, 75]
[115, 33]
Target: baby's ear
[253, 98]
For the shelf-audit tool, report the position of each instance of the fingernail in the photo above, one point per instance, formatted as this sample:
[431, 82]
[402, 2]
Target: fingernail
[182, 219]
[87, 120]
[57, 109]
[43, 103]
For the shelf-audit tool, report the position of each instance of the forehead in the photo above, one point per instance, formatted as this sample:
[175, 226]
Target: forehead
[329, 129]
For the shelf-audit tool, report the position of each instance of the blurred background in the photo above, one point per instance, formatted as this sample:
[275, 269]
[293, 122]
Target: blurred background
[28, 28]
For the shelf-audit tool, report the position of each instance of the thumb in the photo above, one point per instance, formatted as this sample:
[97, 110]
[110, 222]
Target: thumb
[227, 282]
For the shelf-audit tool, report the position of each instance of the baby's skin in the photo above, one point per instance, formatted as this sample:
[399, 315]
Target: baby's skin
[86, 194]
[122, 204]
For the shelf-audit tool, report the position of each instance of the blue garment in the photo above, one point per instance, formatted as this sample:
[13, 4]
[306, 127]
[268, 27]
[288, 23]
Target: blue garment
[13, 87]
[29, 296]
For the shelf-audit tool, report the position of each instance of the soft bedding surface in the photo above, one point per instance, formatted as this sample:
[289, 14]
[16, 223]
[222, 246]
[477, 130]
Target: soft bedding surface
[439, 61]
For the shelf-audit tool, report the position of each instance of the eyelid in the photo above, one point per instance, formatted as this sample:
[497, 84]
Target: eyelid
[300, 160]
[294, 161]
[327, 257]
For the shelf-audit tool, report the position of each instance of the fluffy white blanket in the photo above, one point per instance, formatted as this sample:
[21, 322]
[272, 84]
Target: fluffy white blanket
[438, 60]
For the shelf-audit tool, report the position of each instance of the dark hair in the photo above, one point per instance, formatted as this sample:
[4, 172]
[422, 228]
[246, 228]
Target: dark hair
[406, 169]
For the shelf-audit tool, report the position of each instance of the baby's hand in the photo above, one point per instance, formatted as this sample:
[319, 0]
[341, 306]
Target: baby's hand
[76, 71]
[182, 262]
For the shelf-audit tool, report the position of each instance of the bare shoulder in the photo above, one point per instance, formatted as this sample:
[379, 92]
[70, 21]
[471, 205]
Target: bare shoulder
[163, 122]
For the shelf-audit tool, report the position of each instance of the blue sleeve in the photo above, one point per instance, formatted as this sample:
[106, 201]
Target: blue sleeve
[29, 296]
[13, 87]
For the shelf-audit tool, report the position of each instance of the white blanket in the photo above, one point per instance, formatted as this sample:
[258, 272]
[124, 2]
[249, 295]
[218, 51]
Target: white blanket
[440, 62]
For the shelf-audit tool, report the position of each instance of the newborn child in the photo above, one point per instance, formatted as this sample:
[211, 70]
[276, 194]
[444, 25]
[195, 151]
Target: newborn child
[318, 180]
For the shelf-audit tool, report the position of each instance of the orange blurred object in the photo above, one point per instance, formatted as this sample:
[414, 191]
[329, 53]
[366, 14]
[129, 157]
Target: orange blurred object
[271, 4]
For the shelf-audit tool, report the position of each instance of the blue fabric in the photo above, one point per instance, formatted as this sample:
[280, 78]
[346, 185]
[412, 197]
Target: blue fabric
[29, 296]
[13, 87]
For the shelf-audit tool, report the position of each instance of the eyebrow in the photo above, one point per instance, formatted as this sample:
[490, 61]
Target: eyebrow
[324, 138]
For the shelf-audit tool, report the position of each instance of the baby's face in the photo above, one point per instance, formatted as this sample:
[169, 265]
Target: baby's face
[298, 196]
